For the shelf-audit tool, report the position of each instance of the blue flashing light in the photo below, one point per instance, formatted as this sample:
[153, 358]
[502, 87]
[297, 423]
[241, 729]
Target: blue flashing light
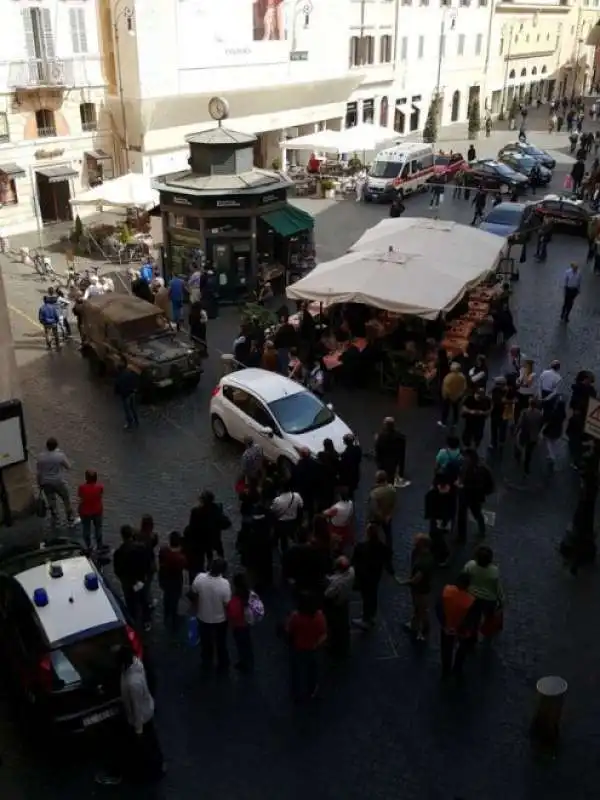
[91, 582]
[40, 598]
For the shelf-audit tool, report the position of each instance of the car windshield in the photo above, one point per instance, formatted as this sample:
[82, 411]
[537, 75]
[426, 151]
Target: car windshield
[442, 161]
[525, 162]
[533, 151]
[300, 413]
[385, 169]
[504, 170]
[504, 216]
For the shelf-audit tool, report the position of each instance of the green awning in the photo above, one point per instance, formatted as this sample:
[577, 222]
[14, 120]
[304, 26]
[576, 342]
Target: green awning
[289, 220]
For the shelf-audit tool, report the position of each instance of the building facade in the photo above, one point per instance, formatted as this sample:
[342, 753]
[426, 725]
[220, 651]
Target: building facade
[55, 131]
[281, 66]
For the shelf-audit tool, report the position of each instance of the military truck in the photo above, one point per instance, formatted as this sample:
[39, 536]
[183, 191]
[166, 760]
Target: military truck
[116, 326]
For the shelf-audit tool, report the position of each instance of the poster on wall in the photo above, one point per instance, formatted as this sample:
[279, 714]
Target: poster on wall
[227, 33]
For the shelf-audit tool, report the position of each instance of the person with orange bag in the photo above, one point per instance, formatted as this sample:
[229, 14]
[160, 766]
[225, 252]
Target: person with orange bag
[459, 618]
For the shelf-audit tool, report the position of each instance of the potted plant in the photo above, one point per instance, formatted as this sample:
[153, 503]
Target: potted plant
[430, 129]
[474, 118]
[512, 114]
[355, 164]
[328, 189]
[276, 164]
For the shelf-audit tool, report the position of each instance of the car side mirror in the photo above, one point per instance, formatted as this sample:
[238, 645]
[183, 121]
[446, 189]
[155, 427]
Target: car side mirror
[330, 406]
[268, 432]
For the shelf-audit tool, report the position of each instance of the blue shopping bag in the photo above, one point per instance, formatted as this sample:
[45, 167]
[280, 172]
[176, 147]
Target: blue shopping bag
[193, 631]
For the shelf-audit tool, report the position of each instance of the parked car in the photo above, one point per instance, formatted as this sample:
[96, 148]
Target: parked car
[528, 149]
[524, 164]
[448, 164]
[494, 176]
[282, 416]
[115, 326]
[565, 212]
[516, 220]
[60, 627]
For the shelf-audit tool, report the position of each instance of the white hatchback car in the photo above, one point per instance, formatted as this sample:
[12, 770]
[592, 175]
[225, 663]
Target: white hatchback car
[282, 416]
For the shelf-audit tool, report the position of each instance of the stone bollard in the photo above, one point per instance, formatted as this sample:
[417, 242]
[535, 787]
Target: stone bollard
[24, 253]
[227, 364]
[545, 727]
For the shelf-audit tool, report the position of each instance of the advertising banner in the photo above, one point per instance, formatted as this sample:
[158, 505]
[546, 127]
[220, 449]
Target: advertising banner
[222, 33]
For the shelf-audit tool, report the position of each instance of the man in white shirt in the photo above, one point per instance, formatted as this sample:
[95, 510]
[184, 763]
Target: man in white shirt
[94, 288]
[213, 593]
[550, 380]
[572, 287]
[286, 509]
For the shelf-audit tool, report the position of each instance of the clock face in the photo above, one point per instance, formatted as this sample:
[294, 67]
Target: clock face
[218, 108]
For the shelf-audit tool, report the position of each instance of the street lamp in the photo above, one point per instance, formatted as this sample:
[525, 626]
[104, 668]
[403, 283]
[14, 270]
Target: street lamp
[127, 13]
[450, 12]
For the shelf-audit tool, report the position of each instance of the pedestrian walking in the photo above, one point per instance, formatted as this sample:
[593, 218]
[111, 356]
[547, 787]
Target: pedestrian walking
[421, 574]
[479, 202]
[252, 462]
[240, 617]
[527, 433]
[370, 559]
[51, 469]
[550, 381]
[176, 296]
[254, 542]
[572, 287]
[390, 453]
[202, 536]
[475, 485]
[91, 509]
[341, 520]
[526, 386]
[454, 387]
[485, 585]
[286, 510]
[171, 566]
[543, 239]
[337, 595]
[132, 568]
[476, 409]
[49, 318]
[459, 619]
[126, 388]
[382, 503]
[305, 480]
[306, 633]
[555, 416]
[449, 459]
[211, 594]
[440, 511]
[142, 751]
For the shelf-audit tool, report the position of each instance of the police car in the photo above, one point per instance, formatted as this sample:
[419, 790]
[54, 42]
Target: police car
[60, 629]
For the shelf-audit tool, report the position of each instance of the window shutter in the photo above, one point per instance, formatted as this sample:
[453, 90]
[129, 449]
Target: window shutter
[47, 38]
[27, 14]
[78, 30]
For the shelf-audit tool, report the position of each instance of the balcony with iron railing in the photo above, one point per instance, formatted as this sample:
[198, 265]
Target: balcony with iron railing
[54, 73]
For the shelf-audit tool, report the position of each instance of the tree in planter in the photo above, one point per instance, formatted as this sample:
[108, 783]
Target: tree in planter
[514, 109]
[474, 119]
[430, 129]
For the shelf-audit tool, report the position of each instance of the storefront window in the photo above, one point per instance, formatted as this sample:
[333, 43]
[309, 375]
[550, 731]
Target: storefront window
[184, 248]
[228, 225]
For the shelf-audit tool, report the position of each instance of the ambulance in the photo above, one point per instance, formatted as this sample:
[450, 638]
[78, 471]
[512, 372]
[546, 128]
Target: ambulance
[402, 169]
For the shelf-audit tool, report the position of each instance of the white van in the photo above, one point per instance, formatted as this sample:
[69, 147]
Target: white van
[400, 169]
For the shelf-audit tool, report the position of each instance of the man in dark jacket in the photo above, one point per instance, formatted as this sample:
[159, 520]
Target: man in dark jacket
[202, 537]
[577, 173]
[303, 567]
[397, 207]
[305, 480]
[479, 202]
[132, 566]
[390, 453]
[350, 459]
[49, 318]
[126, 387]
[370, 559]
[475, 484]
[440, 511]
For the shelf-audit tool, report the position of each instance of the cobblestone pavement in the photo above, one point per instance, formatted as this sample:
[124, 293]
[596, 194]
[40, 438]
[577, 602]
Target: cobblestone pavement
[385, 727]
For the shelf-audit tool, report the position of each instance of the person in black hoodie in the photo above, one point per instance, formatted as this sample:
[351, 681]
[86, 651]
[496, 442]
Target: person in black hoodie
[390, 452]
[349, 468]
[370, 558]
[254, 542]
[581, 391]
[202, 537]
[440, 511]
[305, 480]
[303, 566]
[329, 463]
[127, 384]
[132, 566]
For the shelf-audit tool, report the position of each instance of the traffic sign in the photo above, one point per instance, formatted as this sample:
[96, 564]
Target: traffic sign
[592, 419]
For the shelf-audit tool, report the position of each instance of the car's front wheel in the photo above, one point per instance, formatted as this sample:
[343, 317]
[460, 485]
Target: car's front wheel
[219, 428]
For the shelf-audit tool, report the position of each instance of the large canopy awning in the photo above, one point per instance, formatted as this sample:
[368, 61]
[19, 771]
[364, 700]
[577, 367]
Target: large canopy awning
[128, 191]
[360, 138]
[412, 266]
[289, 220]
[57, 174]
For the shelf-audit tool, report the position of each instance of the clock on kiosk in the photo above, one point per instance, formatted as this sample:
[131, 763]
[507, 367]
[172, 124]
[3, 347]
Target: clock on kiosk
[218, 108]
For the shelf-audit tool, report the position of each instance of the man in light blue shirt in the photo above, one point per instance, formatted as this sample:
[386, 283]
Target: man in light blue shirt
[572, 286]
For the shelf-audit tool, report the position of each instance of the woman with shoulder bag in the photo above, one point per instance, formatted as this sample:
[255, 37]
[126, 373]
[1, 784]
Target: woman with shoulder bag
[286, 509]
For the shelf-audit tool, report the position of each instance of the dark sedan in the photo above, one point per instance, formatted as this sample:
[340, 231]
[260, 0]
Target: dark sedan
[494, 176]
[524, 164]
[543, 157]
[565, 212]
[516, 220]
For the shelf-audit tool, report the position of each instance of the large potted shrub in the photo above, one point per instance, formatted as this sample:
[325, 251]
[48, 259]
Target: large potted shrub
[328, 189]
[431, 123]
[474, 118]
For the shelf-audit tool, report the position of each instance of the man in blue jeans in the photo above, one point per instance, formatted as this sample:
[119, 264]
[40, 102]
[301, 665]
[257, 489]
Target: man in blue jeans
[176, 296]
[126, 387]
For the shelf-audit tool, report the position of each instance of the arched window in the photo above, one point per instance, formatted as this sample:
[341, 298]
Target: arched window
[512, 75]
[534, 71]
[383, 112]
[544, 70]
[523, 73]
[455, 106]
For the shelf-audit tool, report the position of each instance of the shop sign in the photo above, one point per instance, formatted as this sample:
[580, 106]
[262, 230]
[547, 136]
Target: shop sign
[299, 55]
[180, 201]
[273, 197]
[228, 204]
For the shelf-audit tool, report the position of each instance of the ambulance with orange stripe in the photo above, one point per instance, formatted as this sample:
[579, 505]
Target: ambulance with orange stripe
[401, 169]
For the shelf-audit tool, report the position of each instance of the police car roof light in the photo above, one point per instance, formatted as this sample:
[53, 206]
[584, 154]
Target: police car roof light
[56, 571]
[40, 598]
[90, 582]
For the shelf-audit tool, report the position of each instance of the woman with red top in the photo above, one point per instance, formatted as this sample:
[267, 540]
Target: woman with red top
[171, 564]
[307, 632]
[238, 616]
[91, 509]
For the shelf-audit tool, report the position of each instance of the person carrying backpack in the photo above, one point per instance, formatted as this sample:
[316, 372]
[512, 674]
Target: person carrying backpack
[449, 460]
[475, 485]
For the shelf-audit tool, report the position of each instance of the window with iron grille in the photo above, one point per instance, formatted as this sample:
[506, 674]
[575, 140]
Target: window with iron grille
[89, 119]
[4, 133]
[46, 124]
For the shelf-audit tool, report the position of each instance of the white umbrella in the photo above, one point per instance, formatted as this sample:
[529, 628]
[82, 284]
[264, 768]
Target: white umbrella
[128, 191]
[360, 138]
